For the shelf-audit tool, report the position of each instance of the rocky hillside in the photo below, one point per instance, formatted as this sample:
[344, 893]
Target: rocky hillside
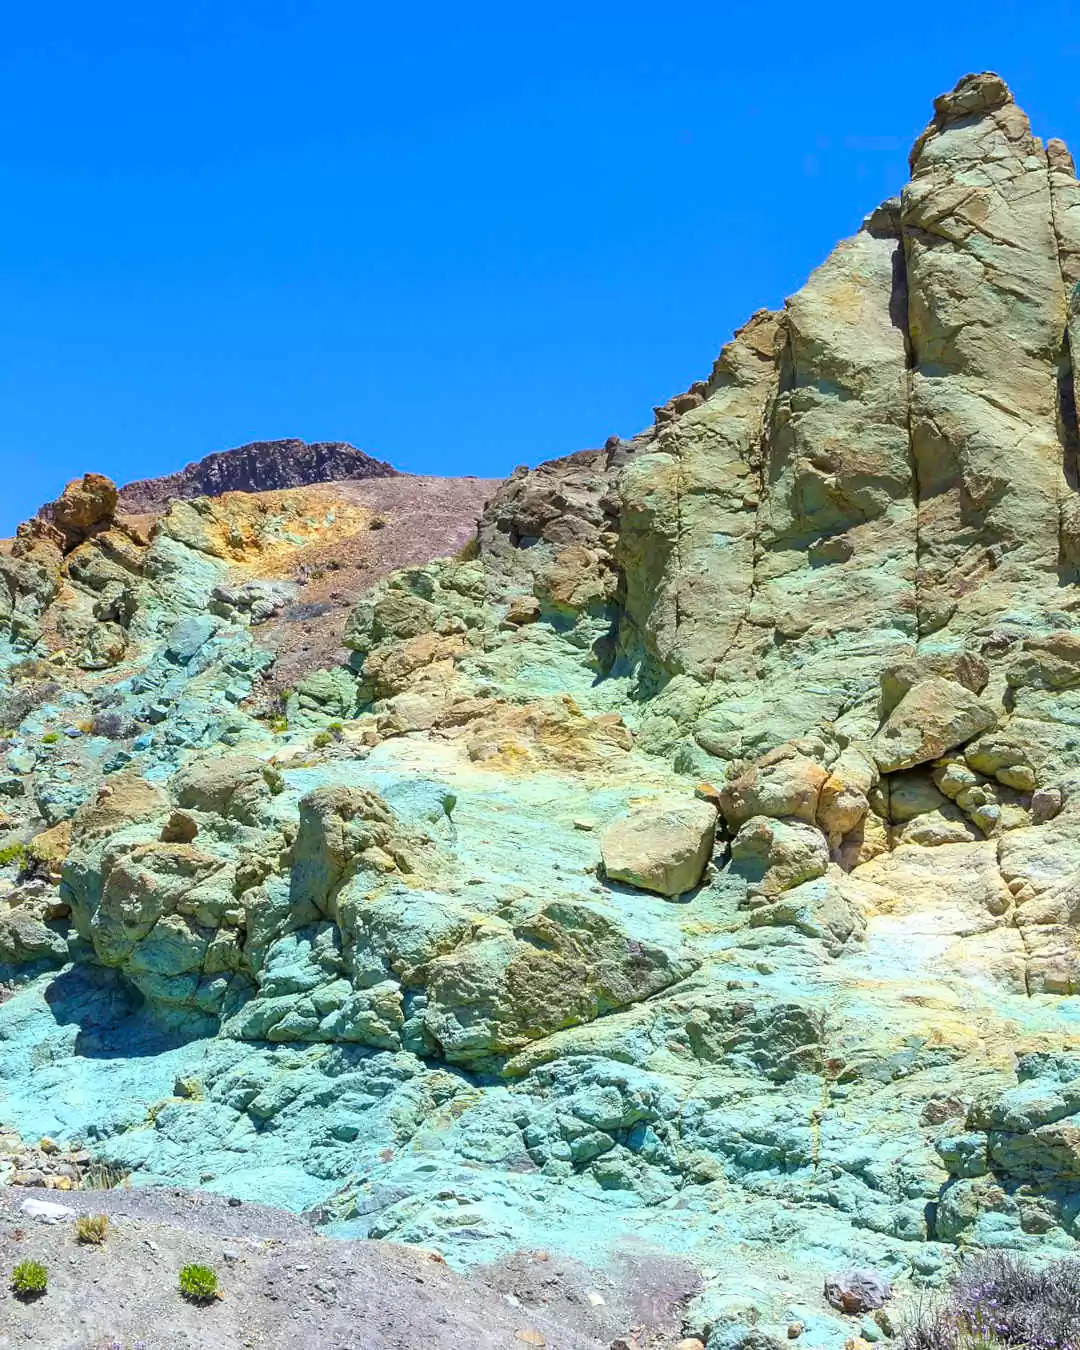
[689, 864]
[261, 466]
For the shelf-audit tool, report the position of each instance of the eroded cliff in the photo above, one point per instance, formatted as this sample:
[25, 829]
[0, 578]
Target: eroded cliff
[692, 859]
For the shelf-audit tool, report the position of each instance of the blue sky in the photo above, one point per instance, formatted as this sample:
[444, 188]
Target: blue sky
[462, 238]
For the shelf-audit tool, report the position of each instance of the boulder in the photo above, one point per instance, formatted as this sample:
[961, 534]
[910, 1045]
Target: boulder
[962, 667]
[1000, 756]
[775, 855]
[857, 1291]
[87, 504]
[27, 936]
[783, 783]
[523, 609]
[660, 847]
[933, 717]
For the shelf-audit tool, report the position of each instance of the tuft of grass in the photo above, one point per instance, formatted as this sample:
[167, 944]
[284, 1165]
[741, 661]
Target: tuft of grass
[198, 1284]
[102, 1176]
[29, 1279]
[13, 853]
[322, 740]
[92, 1228]
[50, 738]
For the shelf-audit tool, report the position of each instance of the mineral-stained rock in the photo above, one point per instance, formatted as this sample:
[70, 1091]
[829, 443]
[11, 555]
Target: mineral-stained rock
[105, 646]
[823, 908]
[857, 1291]
[782, 783]
[541, 968]
[912, 794]
[833, 584]
[1001, 756]
[935, 715]
[662, 847]
[1049, 662]
[189, 635]
[352, 835]
[239, 786]
[86, 505]
[28, 934]
[523, 609]
[843, 800]
[963, 667]
[775, 855]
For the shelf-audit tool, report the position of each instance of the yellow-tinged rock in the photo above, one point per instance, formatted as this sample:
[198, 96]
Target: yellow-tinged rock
[662, 847]
[933, 716]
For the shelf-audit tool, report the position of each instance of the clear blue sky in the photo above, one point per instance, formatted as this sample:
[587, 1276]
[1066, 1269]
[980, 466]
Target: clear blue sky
[462, 237]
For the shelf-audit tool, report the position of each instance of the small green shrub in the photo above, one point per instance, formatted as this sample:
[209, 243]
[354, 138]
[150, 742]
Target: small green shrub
[28, 1279]
[12, 853]
[198, 1284]
[279, 724]
[322, 740]
[50, 738]
[91, 1228]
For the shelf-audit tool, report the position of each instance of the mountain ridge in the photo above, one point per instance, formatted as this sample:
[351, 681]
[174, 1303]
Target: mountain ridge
[256, 466]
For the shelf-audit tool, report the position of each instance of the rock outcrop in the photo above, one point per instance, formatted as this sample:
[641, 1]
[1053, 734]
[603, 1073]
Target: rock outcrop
[804, 655]
[261, 466]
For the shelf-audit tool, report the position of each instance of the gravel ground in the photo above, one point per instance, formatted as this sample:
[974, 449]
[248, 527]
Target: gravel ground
[286, 1288]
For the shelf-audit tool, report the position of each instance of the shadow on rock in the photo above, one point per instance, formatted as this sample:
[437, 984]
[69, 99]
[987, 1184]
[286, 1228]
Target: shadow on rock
[111, 1015]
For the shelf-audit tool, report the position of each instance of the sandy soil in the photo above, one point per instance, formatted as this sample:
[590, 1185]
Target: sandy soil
[286, 1288]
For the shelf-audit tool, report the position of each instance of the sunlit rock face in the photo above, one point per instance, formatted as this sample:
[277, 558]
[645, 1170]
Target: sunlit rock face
[692, 853]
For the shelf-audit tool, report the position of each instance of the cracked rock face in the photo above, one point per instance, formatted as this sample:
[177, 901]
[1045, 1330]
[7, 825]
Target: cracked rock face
[802, 655]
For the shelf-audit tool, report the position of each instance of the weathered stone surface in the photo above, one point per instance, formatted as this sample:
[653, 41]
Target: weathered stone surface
[782, 783]
[86, 505]
[661, 847]
[833, 585]
[934, 716]
[857, 1291]
[775, 855]
[539, 970]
